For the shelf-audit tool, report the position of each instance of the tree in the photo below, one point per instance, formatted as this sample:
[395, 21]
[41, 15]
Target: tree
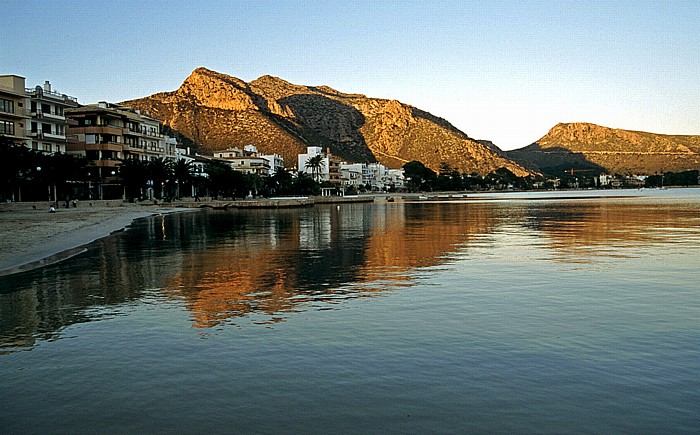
[159, 171]
[279, 184]
[224, 181]
[219, 177]
[305, 185]
[316, 164]
[418, 176]
[183, 172]
[449, 178]
[135, 176]
[17, 165]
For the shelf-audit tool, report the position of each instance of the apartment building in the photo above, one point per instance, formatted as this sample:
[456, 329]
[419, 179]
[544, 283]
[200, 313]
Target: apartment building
[275, 161]
[373, 176]
[48, 125]
[14, 117]
[34, 117]
[108, 133]
[247, 160]
[329, 168]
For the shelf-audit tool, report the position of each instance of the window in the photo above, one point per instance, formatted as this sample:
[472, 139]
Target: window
[35, 145]
[47, 147]
[7, 127]
[7, 106]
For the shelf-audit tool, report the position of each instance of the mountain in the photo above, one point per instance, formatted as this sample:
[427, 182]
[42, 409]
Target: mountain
[590, 147]
[217, 111]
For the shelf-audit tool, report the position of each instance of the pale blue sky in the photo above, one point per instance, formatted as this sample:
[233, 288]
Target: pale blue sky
[506, 71]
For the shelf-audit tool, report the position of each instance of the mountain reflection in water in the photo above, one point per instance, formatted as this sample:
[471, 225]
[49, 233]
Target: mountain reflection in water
[224, 266]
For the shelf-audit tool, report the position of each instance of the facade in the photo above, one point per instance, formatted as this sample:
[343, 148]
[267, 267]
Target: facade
[48, 125]
[14, 116]
[323, 171]
[374, 176]
[394, 179]
[107, 133]
[275, 161]
[351, 174]
[247, 160]
[34, 117]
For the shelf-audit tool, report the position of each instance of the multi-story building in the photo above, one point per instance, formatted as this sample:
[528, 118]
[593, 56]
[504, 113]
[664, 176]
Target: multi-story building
[373, 176]
[394, 179]
[275, 161]
[109, 133]
[34, 117]
[14, 116]
[247, 160]
[351, 174]
[327, 164]
[48, 126]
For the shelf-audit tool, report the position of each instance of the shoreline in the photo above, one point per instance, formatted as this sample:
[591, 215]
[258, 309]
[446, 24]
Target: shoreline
[33, 238]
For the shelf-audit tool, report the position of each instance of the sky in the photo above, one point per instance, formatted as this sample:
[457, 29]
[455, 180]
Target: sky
[505, 71]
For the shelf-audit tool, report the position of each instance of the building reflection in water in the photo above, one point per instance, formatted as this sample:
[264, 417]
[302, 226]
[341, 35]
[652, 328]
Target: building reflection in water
[224, 265]
[324, 254]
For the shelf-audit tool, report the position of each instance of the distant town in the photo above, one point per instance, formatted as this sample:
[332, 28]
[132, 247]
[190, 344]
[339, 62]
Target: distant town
[53, 148]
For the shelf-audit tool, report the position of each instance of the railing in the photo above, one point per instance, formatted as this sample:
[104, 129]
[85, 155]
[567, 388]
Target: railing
[40, 90]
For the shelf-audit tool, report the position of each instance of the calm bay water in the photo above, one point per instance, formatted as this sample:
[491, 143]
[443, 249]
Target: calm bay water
[494, 314]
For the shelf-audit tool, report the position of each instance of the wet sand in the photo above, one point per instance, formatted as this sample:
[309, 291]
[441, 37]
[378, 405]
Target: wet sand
[32, 238]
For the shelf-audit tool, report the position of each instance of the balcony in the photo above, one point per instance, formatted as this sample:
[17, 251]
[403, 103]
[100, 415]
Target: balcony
[106, 163]
[108, 146]
[97, 129]
[48, 136]
[54, 136]
[49, 115]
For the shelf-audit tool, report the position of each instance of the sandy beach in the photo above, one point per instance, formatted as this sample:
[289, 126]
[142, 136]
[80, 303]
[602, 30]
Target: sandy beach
[32, 238]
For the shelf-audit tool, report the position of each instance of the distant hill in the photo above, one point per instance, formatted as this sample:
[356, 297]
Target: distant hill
[600, 149]
[216, 111]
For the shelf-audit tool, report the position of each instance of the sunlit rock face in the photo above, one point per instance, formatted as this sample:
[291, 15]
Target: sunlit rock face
[602, 149]
[216, 111]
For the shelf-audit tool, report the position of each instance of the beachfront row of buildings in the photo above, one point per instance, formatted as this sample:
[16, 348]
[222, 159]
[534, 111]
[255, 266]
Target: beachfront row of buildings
[48, 121]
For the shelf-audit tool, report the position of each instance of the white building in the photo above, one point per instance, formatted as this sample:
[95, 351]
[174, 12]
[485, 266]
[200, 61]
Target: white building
[48, 126]
[323, 170]
[351, 174]
[34, 117]
[375, 175]
[248, 160]
[275, 161]
[395, 178]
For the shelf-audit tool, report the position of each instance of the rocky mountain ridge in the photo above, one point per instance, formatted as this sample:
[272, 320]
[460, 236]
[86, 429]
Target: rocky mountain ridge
[594, 148]
[216, 111]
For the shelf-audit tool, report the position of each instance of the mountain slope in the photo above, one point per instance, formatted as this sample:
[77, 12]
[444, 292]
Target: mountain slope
[217, 111]
[601, 149]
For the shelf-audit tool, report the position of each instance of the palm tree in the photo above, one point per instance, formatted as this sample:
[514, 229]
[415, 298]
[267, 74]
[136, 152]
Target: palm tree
[135, 177]
[183, 171]
[160, 171]
[316, 163]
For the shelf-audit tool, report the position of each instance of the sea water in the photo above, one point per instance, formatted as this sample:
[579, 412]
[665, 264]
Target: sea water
[576, 312]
